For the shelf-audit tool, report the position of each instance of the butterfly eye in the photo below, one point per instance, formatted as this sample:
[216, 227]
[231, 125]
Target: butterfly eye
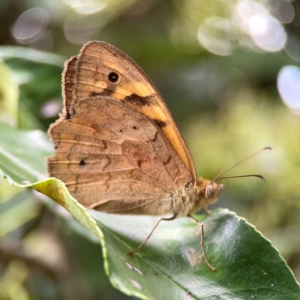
[113, 77]
[209, 191]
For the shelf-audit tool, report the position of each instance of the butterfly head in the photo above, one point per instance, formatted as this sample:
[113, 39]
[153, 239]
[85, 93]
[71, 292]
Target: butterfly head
[209, 191]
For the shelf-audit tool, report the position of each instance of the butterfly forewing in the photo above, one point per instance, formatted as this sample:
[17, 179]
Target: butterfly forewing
[94, 64]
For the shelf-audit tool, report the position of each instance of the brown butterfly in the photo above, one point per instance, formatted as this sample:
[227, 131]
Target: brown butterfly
[118, 149]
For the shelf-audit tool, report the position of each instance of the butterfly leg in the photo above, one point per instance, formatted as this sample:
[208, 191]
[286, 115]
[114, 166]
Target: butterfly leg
[207, 211]
[202, 242]
[147, 238]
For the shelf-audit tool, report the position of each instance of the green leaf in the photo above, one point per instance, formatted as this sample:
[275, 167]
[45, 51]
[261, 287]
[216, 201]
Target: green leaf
[22, 155]
[38, 75]
[9, 52]
[170, 265]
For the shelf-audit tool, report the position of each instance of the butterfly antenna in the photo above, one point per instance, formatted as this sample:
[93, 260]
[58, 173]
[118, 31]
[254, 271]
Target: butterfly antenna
[239, 176]
[218, 177]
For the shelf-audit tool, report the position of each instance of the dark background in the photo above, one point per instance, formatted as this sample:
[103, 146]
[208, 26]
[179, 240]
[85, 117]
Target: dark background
[229, 72]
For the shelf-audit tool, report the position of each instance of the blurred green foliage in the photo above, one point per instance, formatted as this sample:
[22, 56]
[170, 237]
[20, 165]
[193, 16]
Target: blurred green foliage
[223, 95]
